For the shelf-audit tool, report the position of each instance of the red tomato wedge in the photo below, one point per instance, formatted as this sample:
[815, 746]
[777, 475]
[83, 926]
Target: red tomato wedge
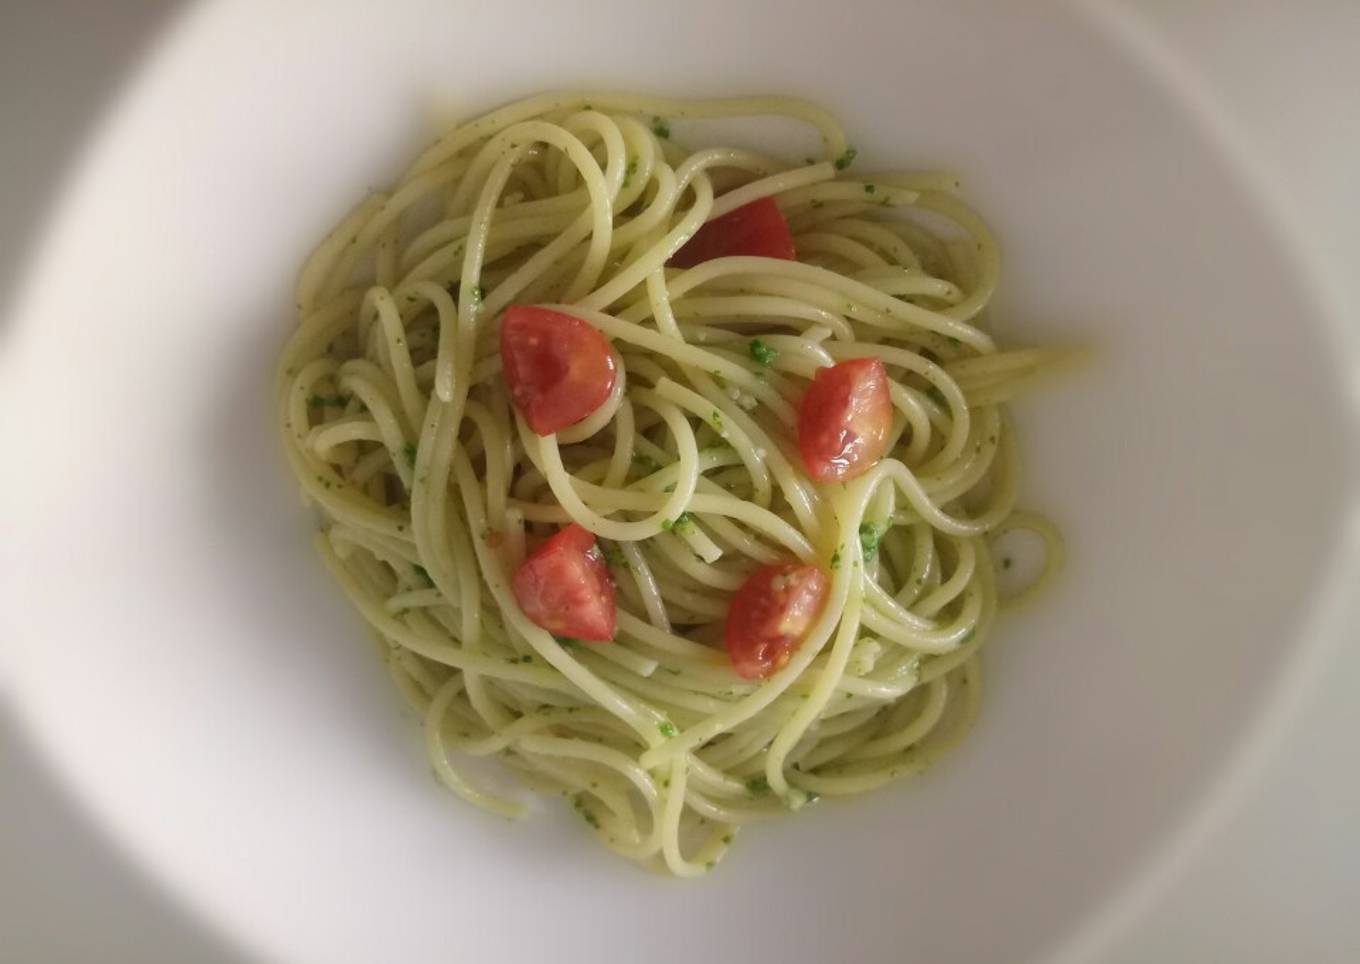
[770, 614]
[564, 587]
[559, 368]
[757, 229]
[845, 419]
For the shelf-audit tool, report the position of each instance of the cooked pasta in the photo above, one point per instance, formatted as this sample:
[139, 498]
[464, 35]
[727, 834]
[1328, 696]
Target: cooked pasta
[679, 450]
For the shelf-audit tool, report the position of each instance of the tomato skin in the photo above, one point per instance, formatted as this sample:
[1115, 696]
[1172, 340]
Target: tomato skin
[757, 229]
[770, 615]
[558, 367]
[564, 587]
[845, 420]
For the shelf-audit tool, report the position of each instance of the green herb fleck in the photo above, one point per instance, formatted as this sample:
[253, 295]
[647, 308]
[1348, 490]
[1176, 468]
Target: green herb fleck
[716, 420]
[710, 865]
[1007, 562]
[683, 524]
[667, 729]
[761, 353]
[869, 189]
[816, 203]
[846, 159]
[869, 537]
[660, 128]
[836, 559]
[629, 170]
[613, 555]
[756, 786]
[585, 812]
[646, 462]
[727, 838]
[567, 642]
[527, 658]
[409, 451]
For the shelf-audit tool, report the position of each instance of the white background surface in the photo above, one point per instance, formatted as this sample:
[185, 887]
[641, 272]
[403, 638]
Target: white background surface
[1274, 880]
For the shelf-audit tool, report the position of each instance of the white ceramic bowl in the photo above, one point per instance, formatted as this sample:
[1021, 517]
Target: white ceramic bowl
[184, 664]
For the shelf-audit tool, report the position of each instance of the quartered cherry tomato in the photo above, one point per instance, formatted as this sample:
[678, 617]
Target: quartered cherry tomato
[559, 368]
[756, 229]
[770, 615]
[845, 420]
[564, 587]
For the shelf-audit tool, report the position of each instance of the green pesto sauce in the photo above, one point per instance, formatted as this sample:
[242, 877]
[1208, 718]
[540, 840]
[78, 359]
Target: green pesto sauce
[646, 462]
[870, 536]
[761, 353]
[683, 524]
[613, 555]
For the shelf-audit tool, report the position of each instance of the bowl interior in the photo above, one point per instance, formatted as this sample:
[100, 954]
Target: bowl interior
[186, 665]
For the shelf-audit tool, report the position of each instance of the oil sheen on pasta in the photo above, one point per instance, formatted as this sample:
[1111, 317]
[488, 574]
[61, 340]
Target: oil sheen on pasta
[398, 425]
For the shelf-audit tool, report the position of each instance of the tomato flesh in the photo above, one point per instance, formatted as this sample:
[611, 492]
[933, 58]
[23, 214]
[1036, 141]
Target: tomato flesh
[559, 368]
[564, 587]
[770, 614]
[757, 229]
[845, 420]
